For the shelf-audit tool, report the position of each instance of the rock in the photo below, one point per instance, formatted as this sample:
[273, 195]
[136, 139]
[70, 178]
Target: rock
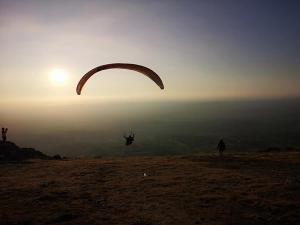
[9, 151]
[57, 157]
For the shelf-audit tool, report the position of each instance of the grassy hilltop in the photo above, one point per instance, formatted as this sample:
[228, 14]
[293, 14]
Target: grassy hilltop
[257, 188]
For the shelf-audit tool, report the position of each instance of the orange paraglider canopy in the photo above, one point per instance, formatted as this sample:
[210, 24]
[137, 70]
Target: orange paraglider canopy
[138, 68]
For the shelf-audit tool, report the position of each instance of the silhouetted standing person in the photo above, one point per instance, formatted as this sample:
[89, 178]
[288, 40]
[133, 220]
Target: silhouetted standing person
[221, 147]
[4, 132]
[129, 139]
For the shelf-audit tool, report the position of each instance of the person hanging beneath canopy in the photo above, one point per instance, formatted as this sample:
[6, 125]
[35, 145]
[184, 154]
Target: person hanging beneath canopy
[129, 139]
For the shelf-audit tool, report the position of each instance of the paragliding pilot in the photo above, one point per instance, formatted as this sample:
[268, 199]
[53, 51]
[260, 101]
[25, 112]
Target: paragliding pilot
[221, 147]
[129, 139]
[4, 132]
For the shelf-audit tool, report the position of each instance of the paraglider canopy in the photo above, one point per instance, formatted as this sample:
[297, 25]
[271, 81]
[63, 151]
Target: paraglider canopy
[138, 68]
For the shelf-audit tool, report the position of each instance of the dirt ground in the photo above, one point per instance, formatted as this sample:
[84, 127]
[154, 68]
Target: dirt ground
[256, 188]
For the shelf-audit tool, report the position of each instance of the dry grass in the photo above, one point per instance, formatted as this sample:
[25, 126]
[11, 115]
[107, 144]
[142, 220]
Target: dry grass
[238, 189]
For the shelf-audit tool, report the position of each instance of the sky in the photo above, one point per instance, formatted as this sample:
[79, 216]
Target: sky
[204, 49]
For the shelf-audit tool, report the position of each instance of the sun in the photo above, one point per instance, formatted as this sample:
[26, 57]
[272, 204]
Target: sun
[59, 76]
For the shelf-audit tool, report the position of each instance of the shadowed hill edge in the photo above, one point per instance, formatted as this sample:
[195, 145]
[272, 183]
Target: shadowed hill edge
[9, 151]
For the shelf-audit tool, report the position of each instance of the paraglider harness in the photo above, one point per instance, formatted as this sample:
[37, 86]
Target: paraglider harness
[129, 139]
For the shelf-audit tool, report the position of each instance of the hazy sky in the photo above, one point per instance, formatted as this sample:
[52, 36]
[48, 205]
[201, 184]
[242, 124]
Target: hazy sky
[201, 49]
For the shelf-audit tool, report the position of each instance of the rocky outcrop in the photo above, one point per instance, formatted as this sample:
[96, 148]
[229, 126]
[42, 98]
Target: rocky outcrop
[9, 151]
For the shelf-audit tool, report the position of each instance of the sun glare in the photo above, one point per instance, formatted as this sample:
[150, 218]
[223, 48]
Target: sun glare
[59, 77]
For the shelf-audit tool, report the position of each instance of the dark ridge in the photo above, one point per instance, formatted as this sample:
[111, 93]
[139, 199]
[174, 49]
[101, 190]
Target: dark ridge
[9, 151]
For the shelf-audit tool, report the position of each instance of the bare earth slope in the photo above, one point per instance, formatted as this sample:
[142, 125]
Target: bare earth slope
[238, 189]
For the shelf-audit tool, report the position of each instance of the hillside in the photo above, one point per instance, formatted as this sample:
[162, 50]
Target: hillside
[258, 188]
[9, 151]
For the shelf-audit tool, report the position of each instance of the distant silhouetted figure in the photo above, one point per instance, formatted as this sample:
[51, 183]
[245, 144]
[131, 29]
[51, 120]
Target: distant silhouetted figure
[129, 139]
[4, 132]
[221, 147]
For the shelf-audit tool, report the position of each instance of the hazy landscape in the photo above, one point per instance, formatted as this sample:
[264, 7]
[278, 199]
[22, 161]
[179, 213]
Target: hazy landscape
[96, 128]
[172, 174]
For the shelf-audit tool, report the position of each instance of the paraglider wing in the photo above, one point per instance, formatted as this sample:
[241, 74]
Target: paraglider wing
[138, 68]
